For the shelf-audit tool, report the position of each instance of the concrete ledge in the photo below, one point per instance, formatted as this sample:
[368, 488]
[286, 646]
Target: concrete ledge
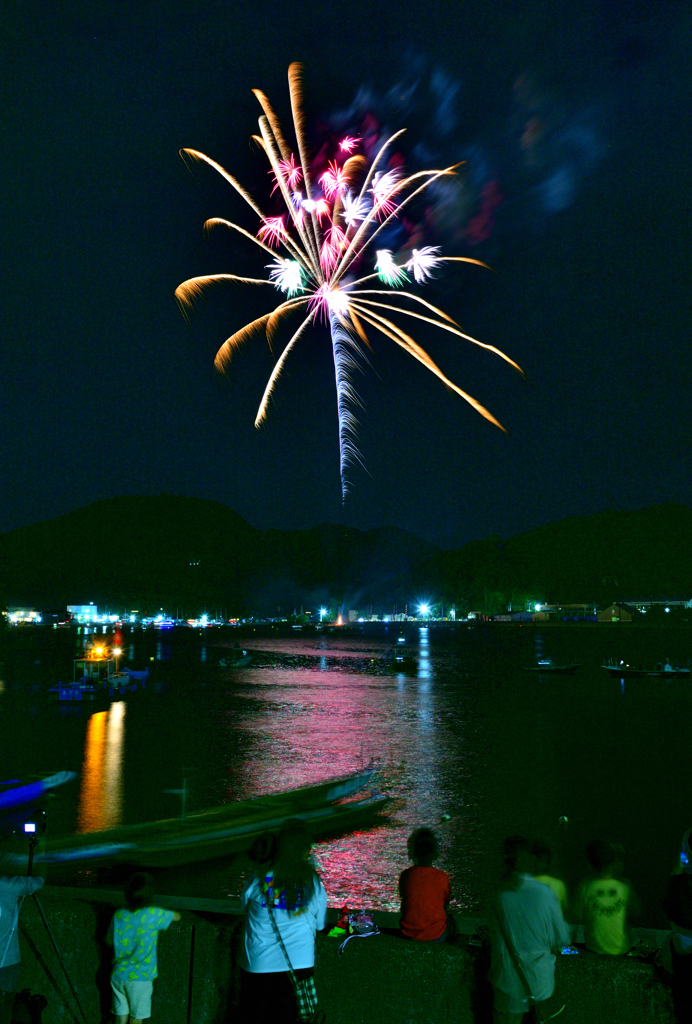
[378, 980]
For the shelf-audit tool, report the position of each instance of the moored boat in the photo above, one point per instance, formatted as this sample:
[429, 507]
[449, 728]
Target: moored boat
[622, 670]
[218, 832]
[96, 677]
[548, 665]
[401, 660]
[236, 658]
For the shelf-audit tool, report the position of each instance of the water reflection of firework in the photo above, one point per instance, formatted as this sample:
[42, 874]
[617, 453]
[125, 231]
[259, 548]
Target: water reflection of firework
[333, 233]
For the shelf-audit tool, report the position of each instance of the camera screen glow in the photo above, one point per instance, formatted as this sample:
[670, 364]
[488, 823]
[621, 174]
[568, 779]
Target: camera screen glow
[29, 826]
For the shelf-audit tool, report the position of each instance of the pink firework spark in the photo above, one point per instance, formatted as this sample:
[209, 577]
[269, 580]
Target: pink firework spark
[272, 231]
[291, 172]
[333, 180]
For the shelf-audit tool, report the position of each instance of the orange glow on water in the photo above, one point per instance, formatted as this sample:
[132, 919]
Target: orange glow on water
[91, 793]
[101, 793]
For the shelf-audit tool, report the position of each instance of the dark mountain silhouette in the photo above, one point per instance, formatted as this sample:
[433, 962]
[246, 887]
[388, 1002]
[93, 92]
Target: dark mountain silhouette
[187, 553]
[612, 556]
[170, 552]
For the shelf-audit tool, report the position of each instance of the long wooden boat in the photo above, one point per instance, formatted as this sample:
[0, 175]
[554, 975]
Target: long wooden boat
[16, 795]
[217, 832]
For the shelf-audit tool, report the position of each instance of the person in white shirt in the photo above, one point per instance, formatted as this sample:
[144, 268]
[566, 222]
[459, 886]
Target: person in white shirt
[12, 892]
[288, 884]
[529, 914]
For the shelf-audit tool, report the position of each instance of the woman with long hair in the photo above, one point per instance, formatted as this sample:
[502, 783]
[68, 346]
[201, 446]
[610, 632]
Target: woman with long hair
[286, 888]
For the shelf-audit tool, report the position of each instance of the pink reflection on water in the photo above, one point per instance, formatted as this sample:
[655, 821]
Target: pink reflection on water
[308, 726]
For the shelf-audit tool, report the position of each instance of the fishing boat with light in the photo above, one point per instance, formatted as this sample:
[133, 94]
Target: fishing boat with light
[96, 676]
[664, 670]
[330, 808]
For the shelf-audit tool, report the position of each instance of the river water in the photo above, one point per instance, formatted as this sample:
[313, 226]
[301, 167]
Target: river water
[467, 742]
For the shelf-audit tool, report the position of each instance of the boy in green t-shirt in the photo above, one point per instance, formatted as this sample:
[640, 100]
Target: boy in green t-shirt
[605, 901]
[133, 934]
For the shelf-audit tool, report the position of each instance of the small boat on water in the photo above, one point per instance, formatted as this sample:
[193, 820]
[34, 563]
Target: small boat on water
[18, 794]
[622, 670]
[231, 828]
[400, 660]
[96, 677]
[548, 665]
[670, 672]
[235, 658]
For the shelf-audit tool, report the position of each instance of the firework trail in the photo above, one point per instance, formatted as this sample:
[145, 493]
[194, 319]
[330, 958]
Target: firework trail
[324, 238]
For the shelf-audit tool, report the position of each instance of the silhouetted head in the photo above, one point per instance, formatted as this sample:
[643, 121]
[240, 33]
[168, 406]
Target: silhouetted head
[543, 857]
[293, 841]
[139, 891]
[294, 875]
[604, 856]
[423, 847]
[517, 855]
[263, 849]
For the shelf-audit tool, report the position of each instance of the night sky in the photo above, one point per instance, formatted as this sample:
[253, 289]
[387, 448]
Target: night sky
[574, 122]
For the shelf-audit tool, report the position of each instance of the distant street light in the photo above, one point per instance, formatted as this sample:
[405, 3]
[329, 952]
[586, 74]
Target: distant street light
[323, 612]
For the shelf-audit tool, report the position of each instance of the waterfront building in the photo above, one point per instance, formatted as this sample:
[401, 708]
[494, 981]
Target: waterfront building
[615, 613]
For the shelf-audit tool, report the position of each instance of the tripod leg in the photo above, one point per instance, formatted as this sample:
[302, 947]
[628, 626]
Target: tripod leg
[57, 951]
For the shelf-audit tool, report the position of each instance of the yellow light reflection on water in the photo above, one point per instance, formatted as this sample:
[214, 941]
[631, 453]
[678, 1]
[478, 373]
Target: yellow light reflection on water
[101, 792]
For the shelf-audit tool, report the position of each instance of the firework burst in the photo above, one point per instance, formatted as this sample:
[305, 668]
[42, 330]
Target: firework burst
[326, 231]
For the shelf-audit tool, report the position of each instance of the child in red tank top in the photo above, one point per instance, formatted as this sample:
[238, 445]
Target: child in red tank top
[424, 892]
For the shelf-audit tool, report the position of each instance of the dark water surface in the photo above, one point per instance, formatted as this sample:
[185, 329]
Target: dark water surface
[468, 734]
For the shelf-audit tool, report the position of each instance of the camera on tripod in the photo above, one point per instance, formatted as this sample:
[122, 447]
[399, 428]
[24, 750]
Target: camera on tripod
[35, 826]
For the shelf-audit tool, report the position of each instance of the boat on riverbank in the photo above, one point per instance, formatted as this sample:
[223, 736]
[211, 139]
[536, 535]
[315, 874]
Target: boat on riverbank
[229, 829]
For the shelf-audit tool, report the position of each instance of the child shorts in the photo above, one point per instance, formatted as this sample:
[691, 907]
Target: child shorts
[132, 997]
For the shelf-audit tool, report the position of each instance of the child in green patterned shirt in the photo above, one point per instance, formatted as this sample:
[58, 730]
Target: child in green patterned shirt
[133, 934]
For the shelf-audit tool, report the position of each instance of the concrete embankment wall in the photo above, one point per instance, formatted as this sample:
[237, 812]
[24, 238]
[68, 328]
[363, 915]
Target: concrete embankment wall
[380, 980]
